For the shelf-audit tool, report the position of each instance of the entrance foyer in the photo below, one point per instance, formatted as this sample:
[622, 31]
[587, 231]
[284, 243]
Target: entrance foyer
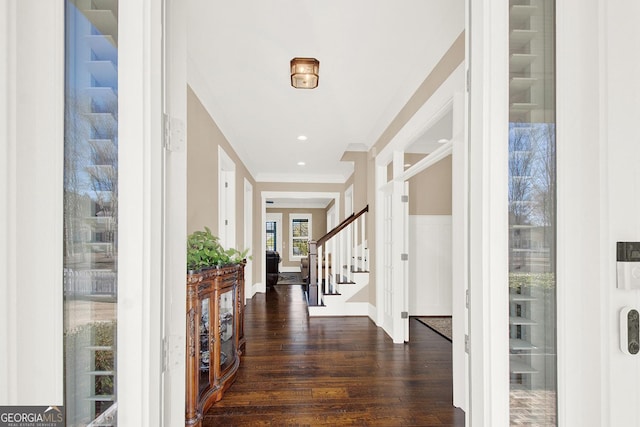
[298, 370]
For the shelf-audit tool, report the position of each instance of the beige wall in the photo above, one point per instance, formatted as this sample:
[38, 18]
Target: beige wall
[430, 190]
[318, 224]
[358, 179]
[203, 139]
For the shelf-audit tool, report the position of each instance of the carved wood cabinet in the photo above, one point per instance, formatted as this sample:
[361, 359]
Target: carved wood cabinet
[215, 336]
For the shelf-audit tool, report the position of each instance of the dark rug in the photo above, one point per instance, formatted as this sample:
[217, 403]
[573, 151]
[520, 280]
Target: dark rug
[440, 324]
[290, 279]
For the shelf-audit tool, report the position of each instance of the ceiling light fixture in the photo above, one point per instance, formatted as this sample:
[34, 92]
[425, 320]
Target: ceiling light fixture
[302, 138]
[301, 163]
[443, 140]
[305, 73]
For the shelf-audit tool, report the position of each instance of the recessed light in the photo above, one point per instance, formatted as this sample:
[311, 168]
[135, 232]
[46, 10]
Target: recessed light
[301, 163]
[302, 138]
[442, 141]
[406, 165]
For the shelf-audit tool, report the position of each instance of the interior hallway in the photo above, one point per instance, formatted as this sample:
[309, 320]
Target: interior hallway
[300, 371]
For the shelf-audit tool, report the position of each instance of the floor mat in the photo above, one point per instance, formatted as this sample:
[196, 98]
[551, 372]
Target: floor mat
[290, 279]
[441, 325]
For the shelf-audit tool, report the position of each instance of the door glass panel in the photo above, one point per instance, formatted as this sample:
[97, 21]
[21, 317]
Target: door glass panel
[205, 345]
[90, 234]
[532, 213]
[227, 345]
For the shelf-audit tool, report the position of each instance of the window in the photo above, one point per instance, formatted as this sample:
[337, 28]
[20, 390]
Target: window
[532, 214]
[271, 236]
[91, 212]
[299, 236]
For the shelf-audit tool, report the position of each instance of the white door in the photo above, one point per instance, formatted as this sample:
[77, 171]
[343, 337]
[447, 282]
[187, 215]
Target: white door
[392, 225]
[226, 200]
[387, 302]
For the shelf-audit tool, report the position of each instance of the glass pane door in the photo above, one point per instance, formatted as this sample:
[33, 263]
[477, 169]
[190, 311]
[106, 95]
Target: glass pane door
[532, 213]
[91, 211]
[227, 322]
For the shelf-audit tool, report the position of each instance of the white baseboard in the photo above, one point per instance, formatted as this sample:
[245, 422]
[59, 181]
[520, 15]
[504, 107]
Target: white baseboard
[349, 309]
[373, 313]
[259, 287]
[289, 269]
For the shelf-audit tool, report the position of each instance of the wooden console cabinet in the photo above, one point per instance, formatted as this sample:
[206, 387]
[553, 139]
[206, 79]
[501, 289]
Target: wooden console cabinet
[215, 336]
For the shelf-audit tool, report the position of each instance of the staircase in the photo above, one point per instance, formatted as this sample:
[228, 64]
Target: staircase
[344, 270]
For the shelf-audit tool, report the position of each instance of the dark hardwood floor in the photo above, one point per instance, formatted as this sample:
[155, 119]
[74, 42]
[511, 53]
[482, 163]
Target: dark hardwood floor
[300, 371]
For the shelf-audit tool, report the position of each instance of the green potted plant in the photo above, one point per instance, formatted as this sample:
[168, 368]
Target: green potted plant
[205, 251]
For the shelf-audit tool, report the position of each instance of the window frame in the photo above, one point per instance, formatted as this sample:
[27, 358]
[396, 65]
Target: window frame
[294, 217]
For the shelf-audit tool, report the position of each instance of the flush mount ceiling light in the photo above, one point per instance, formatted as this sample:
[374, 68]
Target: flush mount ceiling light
[305, 73]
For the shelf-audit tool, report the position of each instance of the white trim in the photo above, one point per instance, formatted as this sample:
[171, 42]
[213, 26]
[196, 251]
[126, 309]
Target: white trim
[439, 104]
[443, 151]
[460, 251]
[489, 101]
[248, 238]
[8, 334]
[174, 229]
[140, 215]
[583, 248]
[380, 185]
[354, 309]
[226, 199]
[307, 179]
[32, 158]
[277, 217]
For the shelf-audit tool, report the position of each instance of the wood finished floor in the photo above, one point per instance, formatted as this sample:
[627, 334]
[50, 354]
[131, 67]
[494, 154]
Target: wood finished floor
[300, 371]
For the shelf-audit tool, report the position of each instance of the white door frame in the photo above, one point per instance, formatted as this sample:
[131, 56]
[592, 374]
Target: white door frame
[226, 199]
[173, 22]
[248, 238]
[391, 229]
[277, 218]
[488, 103]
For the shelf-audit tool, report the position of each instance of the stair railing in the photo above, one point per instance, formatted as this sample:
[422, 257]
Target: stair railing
[337, 255]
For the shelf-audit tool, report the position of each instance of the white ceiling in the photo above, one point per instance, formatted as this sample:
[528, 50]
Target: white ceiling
[373, 56]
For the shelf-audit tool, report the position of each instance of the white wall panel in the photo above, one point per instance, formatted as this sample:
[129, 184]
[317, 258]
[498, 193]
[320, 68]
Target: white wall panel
[430, 283]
